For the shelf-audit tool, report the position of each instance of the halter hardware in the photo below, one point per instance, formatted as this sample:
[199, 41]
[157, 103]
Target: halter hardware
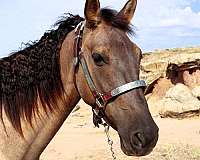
[101, 99]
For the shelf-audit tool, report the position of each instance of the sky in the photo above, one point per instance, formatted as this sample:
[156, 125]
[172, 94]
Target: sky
[159, 24]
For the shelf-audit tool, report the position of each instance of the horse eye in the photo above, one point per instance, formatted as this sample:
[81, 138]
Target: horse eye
[98, 59]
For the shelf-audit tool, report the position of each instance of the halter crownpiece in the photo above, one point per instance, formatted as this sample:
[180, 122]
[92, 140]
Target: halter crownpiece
[101, 99]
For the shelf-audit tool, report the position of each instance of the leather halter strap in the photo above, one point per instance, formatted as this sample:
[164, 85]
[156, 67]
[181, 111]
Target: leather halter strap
[102, 99]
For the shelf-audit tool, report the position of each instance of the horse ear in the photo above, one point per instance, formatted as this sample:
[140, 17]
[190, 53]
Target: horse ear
[92, 9]
[128, 11]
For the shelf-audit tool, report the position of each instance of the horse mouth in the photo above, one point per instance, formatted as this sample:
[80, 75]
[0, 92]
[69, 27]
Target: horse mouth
[126, 151]
[132, 150]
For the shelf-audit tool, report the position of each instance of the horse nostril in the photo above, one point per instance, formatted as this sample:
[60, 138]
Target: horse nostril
[138, 140]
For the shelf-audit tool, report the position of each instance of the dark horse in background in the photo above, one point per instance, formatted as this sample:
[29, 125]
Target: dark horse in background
[40, 85]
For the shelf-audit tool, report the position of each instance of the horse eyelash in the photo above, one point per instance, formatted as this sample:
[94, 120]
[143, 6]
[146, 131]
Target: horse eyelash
[102, 58]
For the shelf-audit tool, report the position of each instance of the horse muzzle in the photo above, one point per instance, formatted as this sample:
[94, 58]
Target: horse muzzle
[139, 143]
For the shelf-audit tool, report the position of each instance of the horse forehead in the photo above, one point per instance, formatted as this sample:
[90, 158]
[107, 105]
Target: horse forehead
[110, 33]
[106, 36]
[99, 34]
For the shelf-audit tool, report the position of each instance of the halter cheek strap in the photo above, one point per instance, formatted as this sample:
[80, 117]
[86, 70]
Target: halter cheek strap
[101, 99]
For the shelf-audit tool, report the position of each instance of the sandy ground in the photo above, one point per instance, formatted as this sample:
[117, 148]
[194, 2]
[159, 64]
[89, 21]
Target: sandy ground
[79, 140]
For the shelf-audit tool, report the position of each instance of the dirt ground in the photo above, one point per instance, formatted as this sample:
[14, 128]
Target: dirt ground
[79, 140]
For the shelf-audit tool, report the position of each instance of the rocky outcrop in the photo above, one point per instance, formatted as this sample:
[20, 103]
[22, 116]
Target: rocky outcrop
[173, 78]
[178, 99]
[155, 64]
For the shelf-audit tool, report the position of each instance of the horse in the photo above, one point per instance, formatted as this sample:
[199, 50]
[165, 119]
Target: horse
[90, 58]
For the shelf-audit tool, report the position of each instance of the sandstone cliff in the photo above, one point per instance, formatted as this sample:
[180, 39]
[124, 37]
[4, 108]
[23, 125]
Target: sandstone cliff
[173, 78]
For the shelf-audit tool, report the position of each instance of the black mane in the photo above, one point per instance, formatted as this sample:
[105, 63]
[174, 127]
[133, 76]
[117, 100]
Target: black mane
[33, 73]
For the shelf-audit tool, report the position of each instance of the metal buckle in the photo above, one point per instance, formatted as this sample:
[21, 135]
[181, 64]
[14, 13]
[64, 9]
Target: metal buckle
[100, 101]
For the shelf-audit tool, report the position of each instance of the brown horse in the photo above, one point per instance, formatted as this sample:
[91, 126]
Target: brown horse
[41, 84]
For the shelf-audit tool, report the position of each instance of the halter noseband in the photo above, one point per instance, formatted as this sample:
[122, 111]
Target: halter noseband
[102, 99]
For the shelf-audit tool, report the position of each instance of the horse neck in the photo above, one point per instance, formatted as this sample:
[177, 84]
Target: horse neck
[67, 70]
[47, 127]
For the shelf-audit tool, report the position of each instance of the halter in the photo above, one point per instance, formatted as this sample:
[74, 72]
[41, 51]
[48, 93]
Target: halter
[101, 99]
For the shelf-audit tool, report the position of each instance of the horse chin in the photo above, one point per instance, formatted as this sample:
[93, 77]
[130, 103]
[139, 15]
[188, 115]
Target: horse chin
[129, 150]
